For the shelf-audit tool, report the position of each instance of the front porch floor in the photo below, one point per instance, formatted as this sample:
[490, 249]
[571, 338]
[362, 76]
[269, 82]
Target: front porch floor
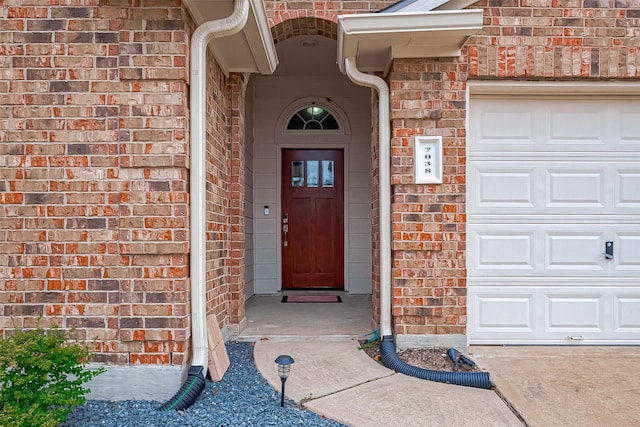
[268, 317]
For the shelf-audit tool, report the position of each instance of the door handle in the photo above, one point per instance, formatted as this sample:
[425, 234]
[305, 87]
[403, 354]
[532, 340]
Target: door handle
[608, 250]
[285, 229]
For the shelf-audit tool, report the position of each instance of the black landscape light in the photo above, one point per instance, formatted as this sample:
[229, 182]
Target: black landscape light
[284, 362]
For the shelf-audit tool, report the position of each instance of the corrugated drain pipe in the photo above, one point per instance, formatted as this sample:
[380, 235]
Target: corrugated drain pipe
[387, 346]
[195, 383]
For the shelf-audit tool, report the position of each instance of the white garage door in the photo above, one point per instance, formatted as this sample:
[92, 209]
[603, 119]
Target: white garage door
[553, 185]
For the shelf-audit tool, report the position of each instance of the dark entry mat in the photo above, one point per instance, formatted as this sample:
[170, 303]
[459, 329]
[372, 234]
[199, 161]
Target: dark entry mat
[311, 298]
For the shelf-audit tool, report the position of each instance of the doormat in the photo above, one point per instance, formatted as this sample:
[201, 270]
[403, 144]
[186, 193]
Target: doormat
[311, 298]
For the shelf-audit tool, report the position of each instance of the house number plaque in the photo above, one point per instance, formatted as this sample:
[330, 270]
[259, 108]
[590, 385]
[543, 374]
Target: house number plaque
[428, 159]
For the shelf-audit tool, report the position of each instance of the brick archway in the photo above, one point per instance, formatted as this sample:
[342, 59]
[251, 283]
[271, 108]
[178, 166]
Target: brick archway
[306, 26]
[314, 17]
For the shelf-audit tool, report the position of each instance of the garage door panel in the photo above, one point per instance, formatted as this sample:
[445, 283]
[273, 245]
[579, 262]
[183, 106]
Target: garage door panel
[501, 312]
[569, 187]
[566, 187]
[577, 251]
[543, 125]
[628, 188]
[513, 251]
[627, 251]
[506, 188]
[497, 249]
[554, 313]
[540, 250]
[572, 313]
[630, 128]
[627, 313]
[507, 128]
[584, 127]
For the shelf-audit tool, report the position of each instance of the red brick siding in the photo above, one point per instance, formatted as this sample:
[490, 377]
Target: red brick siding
[557, 39]
[428, 243]
[94, 174]
[238, 89]
[218, 258]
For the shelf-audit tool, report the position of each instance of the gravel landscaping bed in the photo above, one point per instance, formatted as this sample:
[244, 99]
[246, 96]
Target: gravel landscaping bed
[242, 398]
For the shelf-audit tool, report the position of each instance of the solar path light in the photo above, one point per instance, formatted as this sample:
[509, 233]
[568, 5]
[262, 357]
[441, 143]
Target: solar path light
[284, 362]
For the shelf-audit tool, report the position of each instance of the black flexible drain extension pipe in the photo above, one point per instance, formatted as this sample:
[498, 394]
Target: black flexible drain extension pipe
[392, 361]
[188, 393]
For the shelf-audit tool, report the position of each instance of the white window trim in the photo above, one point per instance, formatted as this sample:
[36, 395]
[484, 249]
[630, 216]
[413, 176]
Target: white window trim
[328, 105]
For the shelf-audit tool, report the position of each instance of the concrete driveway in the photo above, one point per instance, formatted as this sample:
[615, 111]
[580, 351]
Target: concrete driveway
[566, 386]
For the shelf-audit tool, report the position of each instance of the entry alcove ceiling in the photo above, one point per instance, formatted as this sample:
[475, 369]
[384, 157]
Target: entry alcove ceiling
[251, 50]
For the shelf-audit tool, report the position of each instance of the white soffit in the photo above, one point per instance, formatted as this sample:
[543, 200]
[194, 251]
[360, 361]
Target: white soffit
[251, 50]
[375, 39]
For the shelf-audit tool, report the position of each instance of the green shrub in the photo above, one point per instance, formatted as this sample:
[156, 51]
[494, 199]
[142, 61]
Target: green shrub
[41, 377]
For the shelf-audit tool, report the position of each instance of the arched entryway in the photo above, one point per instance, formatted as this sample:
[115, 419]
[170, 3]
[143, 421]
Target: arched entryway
[307, 78]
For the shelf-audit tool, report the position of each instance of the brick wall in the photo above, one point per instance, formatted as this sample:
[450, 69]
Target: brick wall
[93, 173]
[238, 90]
[428, 230]
[218, 258]
[557, 39]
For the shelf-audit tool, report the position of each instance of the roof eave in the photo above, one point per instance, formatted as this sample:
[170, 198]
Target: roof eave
[376, 39]
[251, 50]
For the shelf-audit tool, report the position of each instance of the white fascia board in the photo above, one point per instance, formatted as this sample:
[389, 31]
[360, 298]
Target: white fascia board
[439, 20]
[404, 35]
[267, 59]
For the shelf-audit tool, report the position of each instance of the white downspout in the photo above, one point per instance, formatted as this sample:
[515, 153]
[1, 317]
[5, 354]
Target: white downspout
[384, 188]
[198, 93]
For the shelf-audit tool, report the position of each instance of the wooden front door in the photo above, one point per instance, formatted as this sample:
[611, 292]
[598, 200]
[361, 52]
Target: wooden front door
[312, 219]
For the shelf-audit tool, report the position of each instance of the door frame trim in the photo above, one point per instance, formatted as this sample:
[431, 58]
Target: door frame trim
[344, 146]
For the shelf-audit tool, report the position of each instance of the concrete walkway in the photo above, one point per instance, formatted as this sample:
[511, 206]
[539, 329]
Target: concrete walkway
[545, 386]
[335, 379]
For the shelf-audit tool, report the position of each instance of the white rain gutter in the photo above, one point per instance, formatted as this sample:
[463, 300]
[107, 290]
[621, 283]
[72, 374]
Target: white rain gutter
[201, 37]
[384, 186]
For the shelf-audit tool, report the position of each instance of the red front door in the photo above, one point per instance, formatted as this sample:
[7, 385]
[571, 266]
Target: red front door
[312, 219]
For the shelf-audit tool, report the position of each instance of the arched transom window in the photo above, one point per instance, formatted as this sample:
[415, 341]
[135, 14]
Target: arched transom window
[312, 117]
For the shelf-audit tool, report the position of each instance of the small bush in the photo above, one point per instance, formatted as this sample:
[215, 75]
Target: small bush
[41, 377]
